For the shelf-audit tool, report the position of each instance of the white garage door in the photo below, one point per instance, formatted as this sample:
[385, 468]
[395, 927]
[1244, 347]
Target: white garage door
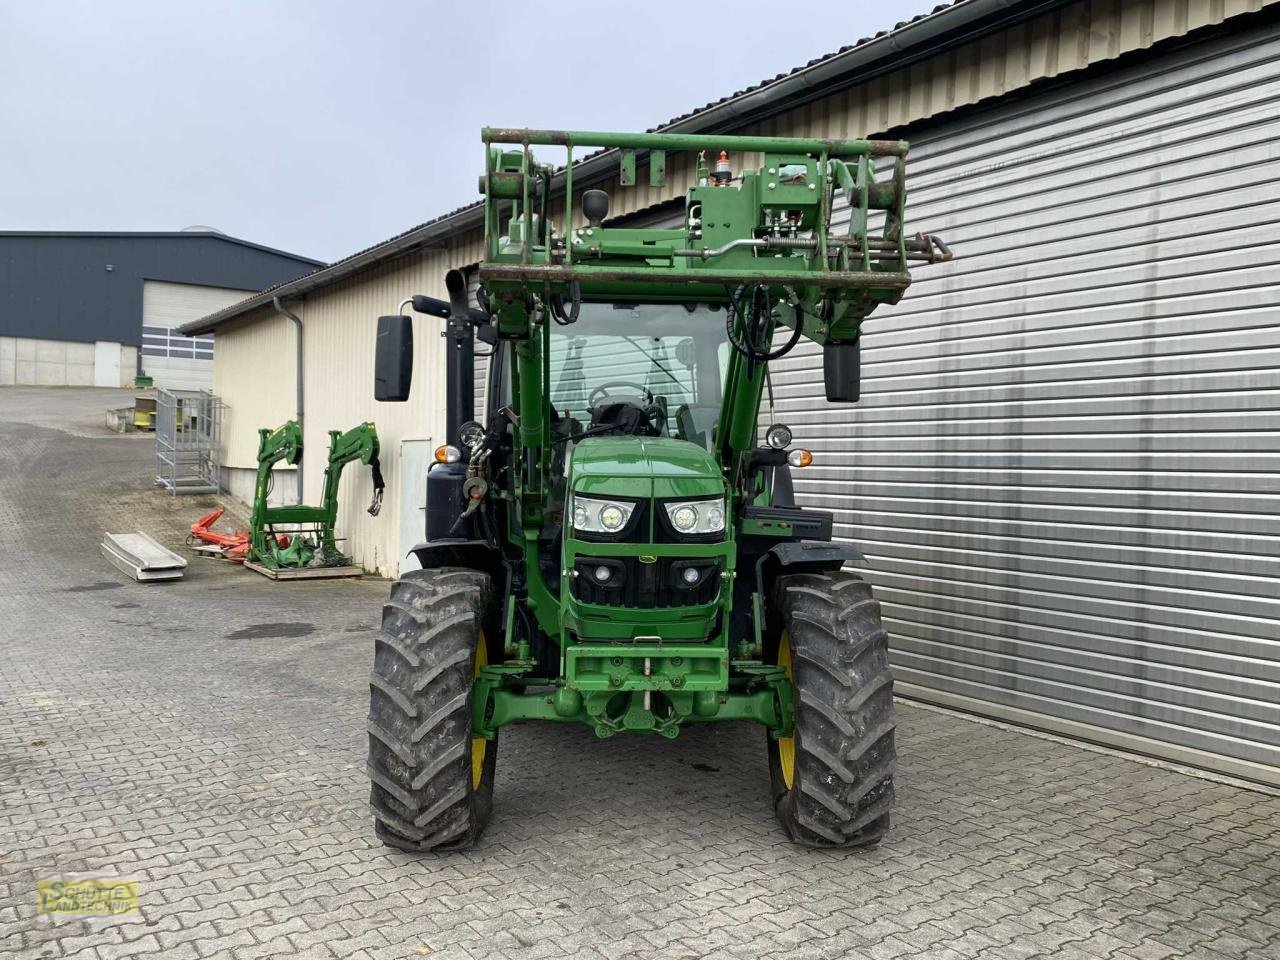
[174, 361]
[1065, 468]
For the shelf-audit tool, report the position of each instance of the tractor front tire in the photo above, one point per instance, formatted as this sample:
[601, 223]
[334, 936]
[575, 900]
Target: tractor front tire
[833, 778]
[432, 781]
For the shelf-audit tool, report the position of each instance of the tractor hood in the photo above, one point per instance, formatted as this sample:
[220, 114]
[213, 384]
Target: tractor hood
[643, 466]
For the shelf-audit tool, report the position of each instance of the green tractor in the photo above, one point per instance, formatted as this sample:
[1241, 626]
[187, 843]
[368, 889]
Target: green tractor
[612, 544]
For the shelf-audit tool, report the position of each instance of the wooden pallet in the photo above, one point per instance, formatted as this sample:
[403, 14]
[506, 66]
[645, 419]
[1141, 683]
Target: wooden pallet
[304, 573]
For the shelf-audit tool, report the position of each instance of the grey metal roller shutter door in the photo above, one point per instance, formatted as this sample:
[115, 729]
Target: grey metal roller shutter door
[1065, 468]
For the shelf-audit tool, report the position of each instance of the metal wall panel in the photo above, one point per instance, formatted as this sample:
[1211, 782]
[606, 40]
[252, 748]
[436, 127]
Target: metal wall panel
[173, 361]
[1065, 468]
[87, 287]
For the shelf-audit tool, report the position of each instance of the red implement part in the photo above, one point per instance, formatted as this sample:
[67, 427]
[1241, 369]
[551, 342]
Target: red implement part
[235, 546]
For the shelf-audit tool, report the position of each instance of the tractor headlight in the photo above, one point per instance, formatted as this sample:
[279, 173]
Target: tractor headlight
[600, 516]
[694, 517]
[612, 517]
[684, 517]
[778, 436]
[470, 434]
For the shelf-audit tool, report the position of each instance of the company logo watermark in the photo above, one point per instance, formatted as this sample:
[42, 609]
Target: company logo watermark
[104, 897]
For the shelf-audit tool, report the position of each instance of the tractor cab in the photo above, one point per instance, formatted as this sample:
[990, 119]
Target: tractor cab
[641, 369]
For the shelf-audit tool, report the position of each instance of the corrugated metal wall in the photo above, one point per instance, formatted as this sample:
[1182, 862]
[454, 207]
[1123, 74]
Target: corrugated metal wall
[1065, 468]
[253, 373]
[1069, 38]
[87, 287]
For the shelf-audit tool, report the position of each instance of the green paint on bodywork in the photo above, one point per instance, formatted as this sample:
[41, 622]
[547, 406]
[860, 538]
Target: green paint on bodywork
[644, 467]
[284, 444]
[652, 668]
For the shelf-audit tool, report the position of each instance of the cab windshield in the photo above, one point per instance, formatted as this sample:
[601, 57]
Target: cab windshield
[670, 355]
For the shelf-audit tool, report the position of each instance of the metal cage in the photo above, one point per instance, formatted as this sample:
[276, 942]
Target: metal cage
[188, 434]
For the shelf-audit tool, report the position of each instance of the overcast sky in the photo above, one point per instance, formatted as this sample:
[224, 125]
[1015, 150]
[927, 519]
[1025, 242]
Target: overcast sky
[324, 127]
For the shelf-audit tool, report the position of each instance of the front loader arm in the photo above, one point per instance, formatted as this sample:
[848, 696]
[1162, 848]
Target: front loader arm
[358, 443]
[281, 445]
[285, 444]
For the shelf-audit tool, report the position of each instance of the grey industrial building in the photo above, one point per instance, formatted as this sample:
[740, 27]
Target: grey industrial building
[1065, 468]
[95, 309]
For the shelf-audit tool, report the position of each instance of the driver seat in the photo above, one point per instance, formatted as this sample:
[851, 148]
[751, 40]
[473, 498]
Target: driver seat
[696, 422]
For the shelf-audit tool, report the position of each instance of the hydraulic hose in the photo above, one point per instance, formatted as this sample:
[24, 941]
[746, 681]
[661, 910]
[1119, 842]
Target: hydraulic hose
[379, 485]
[575, 302]
[757, 331]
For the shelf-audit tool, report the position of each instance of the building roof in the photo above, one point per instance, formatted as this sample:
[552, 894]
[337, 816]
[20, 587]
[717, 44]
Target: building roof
[946, 25]
[202, 232]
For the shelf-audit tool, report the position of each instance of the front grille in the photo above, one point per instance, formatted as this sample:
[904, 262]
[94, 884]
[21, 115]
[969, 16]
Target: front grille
[646, 585]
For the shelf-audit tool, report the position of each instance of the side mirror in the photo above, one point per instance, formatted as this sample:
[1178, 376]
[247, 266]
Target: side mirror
[841, 363]
[431, 306]
[393, 359]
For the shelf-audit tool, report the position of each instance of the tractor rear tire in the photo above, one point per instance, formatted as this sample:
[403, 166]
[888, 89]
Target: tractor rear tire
[432, 782]
[833, 778]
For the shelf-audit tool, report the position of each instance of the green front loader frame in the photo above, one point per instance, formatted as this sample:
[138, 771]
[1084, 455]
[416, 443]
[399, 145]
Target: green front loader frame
[766, 229]
[313, 528]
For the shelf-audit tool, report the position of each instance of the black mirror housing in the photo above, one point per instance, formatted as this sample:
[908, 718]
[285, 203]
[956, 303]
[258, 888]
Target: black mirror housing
[430, 306]
[841, 371]
[393, 359]
[455, 281]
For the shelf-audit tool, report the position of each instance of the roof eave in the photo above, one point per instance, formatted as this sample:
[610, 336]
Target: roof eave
[161, 234]
[915, 38]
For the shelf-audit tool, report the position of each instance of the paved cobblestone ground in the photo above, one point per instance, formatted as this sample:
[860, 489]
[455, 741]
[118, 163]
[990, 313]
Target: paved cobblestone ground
[206, 739]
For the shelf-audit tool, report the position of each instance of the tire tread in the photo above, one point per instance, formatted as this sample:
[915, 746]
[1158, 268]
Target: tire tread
[845, 756]
[420, 712]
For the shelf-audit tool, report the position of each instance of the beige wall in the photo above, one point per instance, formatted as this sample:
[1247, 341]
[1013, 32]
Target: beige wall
[253, 368]
[254, 375]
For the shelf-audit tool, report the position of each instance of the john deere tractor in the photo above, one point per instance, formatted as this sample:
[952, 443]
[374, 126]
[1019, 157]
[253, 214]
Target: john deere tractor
[613, 544]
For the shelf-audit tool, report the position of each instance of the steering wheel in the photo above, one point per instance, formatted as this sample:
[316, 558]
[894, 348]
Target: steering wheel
[603, 391]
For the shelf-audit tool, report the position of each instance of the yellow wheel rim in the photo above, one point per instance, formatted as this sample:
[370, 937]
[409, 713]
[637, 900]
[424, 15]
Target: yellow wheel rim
[478, 744]
[786, 745]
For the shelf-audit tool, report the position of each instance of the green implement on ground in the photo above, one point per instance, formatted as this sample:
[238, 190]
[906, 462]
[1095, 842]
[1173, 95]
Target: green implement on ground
[613, 544]
[311, 530]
